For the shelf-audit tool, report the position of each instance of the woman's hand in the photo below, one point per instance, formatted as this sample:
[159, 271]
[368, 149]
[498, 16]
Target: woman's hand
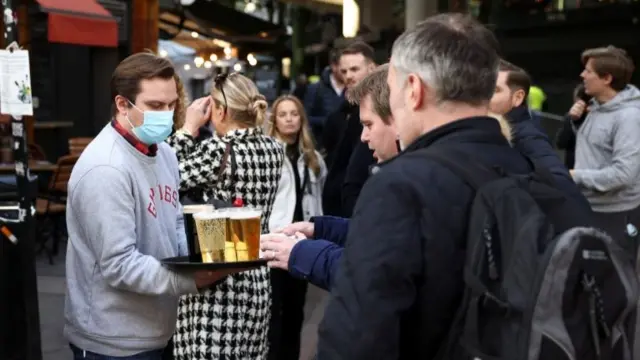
[198, 114]
[277, 248]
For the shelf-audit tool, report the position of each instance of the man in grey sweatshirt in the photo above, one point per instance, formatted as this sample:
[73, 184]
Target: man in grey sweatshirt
[607, 166]
[123, 214]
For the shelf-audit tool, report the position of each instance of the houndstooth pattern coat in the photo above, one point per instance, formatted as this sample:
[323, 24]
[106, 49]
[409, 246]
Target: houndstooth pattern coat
[231, 320]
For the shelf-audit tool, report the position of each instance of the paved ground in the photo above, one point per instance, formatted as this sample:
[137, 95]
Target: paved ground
[51, 302]
[51, 285]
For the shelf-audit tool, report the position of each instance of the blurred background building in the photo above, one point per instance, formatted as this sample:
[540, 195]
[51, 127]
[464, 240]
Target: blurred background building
[76, 44]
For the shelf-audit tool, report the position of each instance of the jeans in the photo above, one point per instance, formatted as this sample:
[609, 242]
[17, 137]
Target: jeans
[79, 354]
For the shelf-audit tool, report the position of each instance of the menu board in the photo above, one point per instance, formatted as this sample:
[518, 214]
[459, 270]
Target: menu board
[15, 83]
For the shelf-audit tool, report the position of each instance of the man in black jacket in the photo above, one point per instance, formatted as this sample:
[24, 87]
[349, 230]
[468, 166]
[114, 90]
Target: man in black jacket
[508, 100]
[510, 96]
[512, 88]
[342, 129]
[401, 275]
[324, 97]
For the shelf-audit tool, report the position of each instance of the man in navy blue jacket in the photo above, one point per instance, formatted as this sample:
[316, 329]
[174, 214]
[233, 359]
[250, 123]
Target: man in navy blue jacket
[400, 278]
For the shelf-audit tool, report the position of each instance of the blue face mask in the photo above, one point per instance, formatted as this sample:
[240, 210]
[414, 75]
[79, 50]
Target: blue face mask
[156, 128]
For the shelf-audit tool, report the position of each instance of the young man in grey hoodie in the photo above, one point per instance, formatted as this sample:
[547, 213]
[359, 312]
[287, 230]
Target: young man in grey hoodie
[607, 166]
[123, 214]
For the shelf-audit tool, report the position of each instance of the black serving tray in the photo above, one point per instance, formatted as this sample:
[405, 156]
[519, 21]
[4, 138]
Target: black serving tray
[183, 263]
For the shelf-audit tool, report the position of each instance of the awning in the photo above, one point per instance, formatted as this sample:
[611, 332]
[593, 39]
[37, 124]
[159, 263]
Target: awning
[80, 22]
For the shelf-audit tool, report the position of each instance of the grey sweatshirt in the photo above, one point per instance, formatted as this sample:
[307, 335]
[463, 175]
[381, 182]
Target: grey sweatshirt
[123, 214]
[607, 164]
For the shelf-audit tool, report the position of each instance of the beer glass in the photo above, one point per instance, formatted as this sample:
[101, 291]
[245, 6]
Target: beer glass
[190, 228]
[212, 232]
[245, 232]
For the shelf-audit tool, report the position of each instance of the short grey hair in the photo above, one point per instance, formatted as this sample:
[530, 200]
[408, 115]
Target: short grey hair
[453, 54]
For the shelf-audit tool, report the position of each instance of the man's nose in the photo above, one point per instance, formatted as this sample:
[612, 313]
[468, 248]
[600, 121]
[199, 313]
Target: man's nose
[364, 136]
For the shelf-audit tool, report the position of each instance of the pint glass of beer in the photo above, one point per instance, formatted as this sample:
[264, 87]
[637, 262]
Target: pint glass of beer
[190, 228]
[245, 232]
[212, 231]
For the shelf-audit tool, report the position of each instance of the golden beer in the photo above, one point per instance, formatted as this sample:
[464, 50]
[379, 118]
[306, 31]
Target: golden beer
[212, 232]
[190, 227]
[245, 233]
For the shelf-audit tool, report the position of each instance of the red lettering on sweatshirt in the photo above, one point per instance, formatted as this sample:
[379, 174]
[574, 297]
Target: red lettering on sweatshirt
[166, 194]
[151, 208]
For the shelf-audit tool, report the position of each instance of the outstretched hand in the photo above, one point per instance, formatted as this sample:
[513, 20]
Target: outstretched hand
[277, 248]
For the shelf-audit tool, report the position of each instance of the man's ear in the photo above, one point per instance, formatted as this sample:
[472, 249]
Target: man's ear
[122, 104]
[417, 91]
[518, 97]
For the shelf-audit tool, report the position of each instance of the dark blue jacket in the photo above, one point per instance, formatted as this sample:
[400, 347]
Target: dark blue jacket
[400, 278]
[316, 260]
[321, 100]
[531, 141]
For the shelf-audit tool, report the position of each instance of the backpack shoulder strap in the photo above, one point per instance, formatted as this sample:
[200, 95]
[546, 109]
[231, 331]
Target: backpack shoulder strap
[229, 155]
[223, 162]
[475, 175]
[232, 157]
[228, 159]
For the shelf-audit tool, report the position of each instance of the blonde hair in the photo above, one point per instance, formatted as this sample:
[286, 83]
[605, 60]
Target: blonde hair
[244, 103]
[505, 127]
[306, 141]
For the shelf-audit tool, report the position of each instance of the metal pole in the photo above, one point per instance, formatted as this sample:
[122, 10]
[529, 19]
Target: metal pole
[28, 346]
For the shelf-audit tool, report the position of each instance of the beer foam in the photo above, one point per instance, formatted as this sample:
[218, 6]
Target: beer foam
[196, 208]
[208, 215]
[245, 214]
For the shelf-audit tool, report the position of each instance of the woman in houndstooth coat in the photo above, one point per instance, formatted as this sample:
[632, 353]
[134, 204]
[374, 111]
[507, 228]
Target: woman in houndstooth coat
[231, 319]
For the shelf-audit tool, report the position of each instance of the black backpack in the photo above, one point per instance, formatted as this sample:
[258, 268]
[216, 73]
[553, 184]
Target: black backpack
[539, 284]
